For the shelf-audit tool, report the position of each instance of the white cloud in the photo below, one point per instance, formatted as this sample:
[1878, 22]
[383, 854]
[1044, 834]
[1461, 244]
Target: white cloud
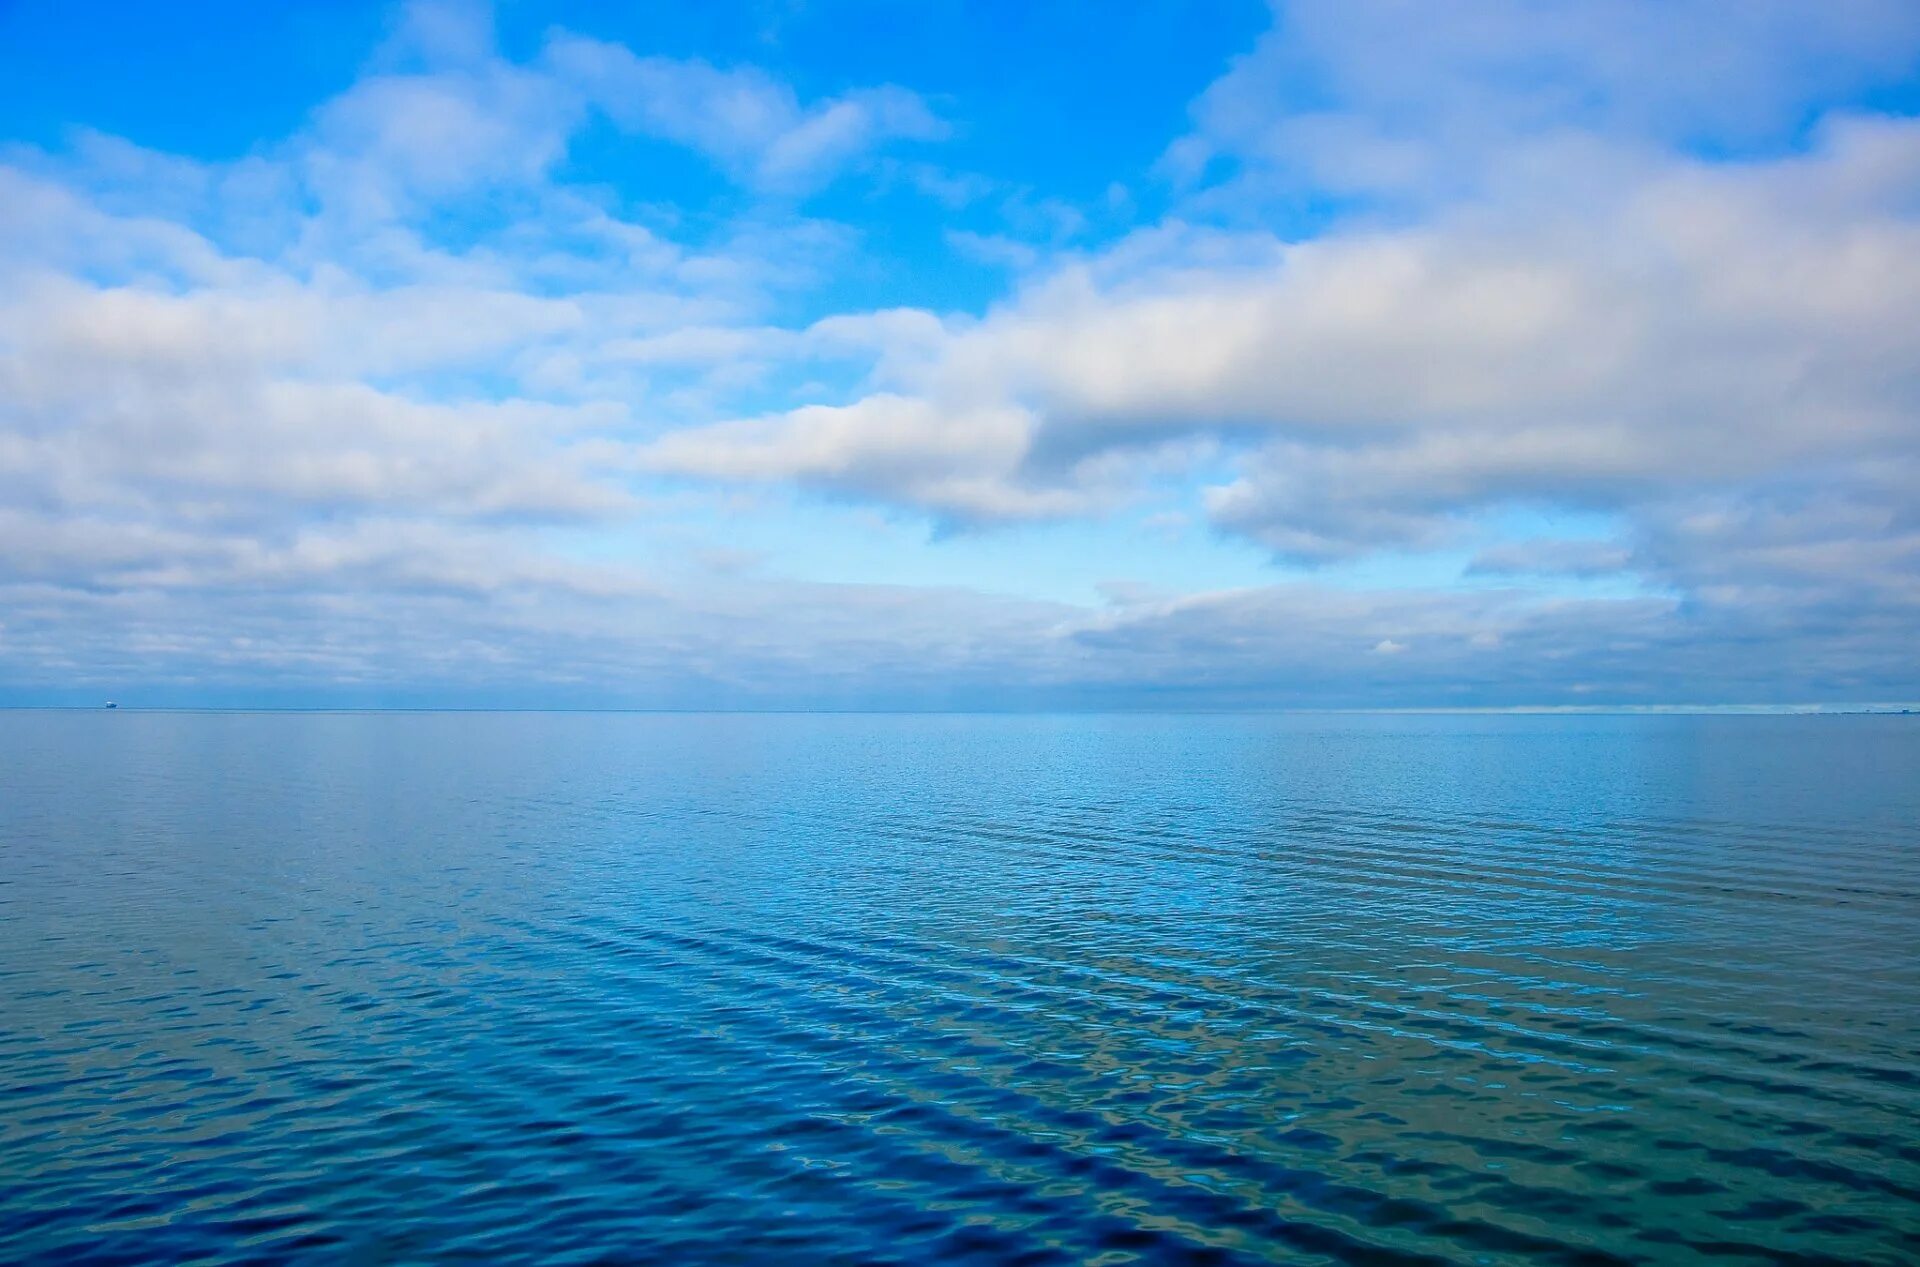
[890, 446]
[1395, 97]
[264, 421]
[751, 124]
[1704, 325]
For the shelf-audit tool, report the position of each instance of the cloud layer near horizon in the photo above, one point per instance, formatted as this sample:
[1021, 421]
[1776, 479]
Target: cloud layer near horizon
[368, 413]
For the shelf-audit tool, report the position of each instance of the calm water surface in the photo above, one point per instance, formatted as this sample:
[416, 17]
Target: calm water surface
[858, 989]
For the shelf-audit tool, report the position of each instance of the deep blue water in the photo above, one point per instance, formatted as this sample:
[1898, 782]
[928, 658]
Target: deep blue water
[886, 989]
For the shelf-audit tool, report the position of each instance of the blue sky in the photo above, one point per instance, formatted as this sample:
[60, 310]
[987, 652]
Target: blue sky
[840, 354]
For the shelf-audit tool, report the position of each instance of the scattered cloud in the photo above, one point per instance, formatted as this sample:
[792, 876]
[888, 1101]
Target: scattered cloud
[369, 407]
[1702, 326]
[751, 124]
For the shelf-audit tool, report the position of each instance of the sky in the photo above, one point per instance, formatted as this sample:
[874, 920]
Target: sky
[1011, 355]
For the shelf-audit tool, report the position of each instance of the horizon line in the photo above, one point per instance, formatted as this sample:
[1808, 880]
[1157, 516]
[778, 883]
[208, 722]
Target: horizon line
[1813, 709]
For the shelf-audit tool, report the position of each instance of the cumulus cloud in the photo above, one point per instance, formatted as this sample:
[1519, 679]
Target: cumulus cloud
[1583, 282]
[1702, 324]
[892, 447]
[350, 409]
[1391, 97]
[263, 418]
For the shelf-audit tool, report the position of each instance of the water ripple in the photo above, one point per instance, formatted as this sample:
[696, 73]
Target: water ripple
[395, 988]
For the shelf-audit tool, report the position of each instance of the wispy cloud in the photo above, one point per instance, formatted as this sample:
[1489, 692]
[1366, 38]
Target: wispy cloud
[754, 126]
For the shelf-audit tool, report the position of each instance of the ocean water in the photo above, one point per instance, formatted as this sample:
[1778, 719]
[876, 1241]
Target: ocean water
[911, 989]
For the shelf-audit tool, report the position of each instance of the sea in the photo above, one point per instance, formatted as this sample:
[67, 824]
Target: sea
[394, 987]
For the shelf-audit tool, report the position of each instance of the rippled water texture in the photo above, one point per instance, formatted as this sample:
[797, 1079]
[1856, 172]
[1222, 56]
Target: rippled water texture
[378, 988]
